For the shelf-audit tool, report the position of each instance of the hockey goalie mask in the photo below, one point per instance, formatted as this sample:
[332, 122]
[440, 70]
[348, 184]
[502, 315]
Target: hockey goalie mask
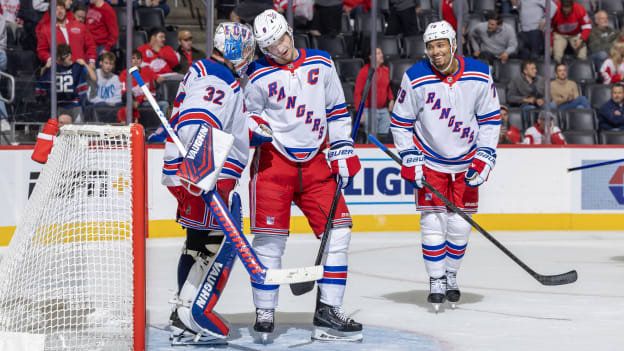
[236, 43]
[441, 30]
[269, 28]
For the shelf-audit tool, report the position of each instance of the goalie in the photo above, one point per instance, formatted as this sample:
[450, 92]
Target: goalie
[207, 115]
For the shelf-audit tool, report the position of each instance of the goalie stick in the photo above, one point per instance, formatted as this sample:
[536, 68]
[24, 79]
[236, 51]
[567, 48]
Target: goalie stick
[557, 279]
[233, 233]
[595, 165]
[304, 287]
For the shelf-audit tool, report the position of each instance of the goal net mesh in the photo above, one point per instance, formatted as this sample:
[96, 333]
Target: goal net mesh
[68, 271]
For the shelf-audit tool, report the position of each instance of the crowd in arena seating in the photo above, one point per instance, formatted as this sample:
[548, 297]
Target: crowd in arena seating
[587, 61]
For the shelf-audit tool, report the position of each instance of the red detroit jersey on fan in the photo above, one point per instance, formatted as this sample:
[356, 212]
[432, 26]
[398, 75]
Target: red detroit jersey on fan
[298, 112]
[448, 127]
[209, 93]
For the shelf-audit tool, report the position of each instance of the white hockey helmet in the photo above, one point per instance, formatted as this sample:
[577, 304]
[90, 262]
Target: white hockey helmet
[270, 26]
[235, 41]
[441, 30]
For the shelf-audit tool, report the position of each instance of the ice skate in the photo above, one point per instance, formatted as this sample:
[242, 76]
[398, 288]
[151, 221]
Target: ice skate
[180, 335]
[331, 324]
[452, 289]
[265, 323]
[437, 291]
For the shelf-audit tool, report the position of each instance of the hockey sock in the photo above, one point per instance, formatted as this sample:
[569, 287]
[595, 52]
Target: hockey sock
[334, 280]
[457, 234]
[432, 227]
[269, 249]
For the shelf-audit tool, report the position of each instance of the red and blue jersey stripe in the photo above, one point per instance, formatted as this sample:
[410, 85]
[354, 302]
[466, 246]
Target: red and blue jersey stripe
[434, 253]
[455, 251]
[336, 112]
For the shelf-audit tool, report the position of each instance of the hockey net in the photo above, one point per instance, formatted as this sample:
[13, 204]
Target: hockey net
[74, 270]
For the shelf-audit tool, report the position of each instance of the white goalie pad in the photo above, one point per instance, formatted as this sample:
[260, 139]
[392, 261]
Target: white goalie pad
[202, 290]
[206, 155]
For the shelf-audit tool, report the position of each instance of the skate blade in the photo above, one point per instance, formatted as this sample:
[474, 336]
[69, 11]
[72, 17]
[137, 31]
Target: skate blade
[262, 338]
[436, 307]
[328, 334]
[453, 305]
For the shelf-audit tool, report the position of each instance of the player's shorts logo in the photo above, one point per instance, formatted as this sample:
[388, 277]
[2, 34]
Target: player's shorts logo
[616, 185]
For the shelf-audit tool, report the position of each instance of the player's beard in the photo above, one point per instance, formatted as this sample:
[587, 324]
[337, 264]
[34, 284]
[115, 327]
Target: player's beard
[443, 62]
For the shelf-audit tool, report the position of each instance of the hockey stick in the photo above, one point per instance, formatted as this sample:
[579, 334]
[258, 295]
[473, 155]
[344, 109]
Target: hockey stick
[558, 279]
[595, 165]
[233, 233]
[304, 287]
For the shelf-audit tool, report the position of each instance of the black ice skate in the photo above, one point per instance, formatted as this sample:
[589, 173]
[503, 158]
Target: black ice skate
[452, 289]
[265, 323]
[180, 335]
[437, 292]
[331, 324]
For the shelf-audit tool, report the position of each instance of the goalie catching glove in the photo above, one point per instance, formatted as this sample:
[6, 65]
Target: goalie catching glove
[412, 161]
[344, 162]
[480, 167]
[259, 131]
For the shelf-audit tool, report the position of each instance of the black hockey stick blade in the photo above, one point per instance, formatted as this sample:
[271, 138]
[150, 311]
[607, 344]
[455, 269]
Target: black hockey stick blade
[559, 279]
[304, 287]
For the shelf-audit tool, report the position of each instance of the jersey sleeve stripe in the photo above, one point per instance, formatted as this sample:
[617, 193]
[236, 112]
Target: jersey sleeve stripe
[235, 86]
[261, 73]
[478, 79]
[403, 123]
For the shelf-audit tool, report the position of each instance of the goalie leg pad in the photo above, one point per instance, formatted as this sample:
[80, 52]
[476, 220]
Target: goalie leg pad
[457, 235]
[203, 242]
[269, 249]
[206, 155]
[334, 281]
[433, 228]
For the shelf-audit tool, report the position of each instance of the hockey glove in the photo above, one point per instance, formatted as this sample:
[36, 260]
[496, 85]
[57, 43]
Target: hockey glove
[412, 166]
[45, 141]
[259, 131]
[344, 162]
[480, 167]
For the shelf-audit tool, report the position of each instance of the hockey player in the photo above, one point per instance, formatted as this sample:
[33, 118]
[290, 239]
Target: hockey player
[209, 96]
[445, 125]
[297, 94]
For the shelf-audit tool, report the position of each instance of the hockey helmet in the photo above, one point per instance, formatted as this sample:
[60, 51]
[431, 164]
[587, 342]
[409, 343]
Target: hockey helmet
[441, 30]
[235, 41]
[270, 26]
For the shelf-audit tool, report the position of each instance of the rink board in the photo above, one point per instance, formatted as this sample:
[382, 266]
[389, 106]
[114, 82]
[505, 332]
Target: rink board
[529, 189]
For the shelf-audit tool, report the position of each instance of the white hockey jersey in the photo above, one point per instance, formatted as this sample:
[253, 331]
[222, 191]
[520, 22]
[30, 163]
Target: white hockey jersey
[209, 93]
[447, 118]
[300, 101]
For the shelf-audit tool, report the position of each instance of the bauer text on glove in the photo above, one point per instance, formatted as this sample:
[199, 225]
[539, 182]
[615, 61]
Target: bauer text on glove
[412, 166]
[344, 162]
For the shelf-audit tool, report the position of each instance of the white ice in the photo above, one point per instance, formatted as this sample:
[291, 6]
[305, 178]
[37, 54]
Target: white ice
[502, 307]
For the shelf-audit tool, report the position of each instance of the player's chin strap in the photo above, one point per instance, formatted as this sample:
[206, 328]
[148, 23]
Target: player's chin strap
[453, 49]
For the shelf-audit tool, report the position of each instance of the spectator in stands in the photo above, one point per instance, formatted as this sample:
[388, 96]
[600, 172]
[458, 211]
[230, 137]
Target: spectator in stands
[45, 20]
[508, 134]
[327, 17]
[532, 22]
[150, 78]
[188, 54]
[80, 13]
[247, 10]
[162, 4]
[564, 93]
[71, 81]
[600, 39]
[385, 98]
[448, 10]
[106, 91]
[493, 39]
[3, 42]
[611, 115]
[73, 33]
[158, 56]
[589, 5]
[571, 25]
[102, 24]
[535, 135]
[403, 17]
[356, 7]
[526, 89]
[31, 12]
[507, 6]
[612, 69]
[64, 120]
